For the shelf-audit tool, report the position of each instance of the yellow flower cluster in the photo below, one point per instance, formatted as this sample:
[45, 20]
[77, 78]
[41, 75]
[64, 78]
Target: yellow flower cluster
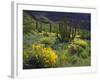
[48, 55]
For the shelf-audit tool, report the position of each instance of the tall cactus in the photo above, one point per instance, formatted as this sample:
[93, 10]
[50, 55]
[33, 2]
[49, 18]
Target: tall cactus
[50, 27]
[63, 30]
[67, 30]
[36, 25]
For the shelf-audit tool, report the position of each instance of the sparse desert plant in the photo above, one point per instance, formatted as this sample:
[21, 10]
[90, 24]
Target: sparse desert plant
[63, 58]
[26, 55]
[74, 49]
[53, 34]
[46, 34]
[84, 54]
[85, 34]
[74, 59]
[47, 40]
[80, 42]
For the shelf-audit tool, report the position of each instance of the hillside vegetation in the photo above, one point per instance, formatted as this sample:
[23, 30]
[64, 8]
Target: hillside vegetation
[49, 44]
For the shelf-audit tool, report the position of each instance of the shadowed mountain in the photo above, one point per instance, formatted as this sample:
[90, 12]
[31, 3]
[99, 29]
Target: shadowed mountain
[83, 19]
[40, 17]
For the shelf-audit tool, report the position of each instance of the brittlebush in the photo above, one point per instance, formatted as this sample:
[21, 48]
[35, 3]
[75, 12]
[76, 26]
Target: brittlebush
[41, 56]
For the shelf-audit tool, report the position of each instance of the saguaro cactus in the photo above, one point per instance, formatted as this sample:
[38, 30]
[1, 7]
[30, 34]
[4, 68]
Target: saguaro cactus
[64, 30]
[50, 27]
[36, 25]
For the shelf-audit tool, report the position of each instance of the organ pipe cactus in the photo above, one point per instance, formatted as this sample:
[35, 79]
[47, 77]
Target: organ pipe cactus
[66, 31]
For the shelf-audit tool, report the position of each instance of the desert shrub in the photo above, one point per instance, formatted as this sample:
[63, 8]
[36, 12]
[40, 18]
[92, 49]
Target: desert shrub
[74, 60]
[74, 49]
[77, 35]
[47, 41]
[80, 42]
[53, 34]
[84, 55]
[63, 58]
[26, 55]
[46, 34]
[41, 56]
[85, 34]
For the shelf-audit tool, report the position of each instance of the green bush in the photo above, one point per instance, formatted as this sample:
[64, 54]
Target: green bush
[74, 60]
[74, 49]
[84, 55]
[85, 34]
[46, 34]
[47, 40]
[63, 58]
[80, 42]
[26, 54]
